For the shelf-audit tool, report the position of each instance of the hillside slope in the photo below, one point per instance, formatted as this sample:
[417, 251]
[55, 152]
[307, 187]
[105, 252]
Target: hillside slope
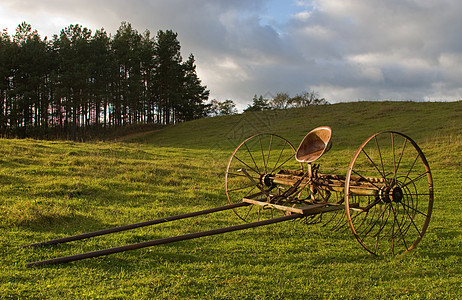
[352, 123]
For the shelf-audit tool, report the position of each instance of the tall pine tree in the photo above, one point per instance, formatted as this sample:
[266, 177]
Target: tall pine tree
[168, 75]
[194, 95]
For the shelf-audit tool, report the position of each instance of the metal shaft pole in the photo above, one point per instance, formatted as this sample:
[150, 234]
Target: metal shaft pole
[137, 225]
[162, 241]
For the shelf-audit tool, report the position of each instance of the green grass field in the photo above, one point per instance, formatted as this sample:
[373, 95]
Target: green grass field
[54, 189]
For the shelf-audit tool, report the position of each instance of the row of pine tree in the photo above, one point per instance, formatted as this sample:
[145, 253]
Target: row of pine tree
[80, 80]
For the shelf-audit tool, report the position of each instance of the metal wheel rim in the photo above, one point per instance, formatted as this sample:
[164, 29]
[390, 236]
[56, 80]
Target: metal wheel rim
[266, 152]
[403, 214]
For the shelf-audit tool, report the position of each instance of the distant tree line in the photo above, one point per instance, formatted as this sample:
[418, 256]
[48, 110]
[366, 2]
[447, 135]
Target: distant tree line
[80, 80]
[259, 103]
[225, 108]
[284, 101]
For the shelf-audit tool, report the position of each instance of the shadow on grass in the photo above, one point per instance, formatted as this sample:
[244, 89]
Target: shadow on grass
[64, 224]
[7, 179]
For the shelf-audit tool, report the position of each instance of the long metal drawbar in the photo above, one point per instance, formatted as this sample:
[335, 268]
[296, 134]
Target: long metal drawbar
[163, 241]
[137, 225]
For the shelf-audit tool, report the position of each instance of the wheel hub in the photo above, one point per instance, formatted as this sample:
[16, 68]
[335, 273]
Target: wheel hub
[397, 194]
[267, 180]
[391, 194]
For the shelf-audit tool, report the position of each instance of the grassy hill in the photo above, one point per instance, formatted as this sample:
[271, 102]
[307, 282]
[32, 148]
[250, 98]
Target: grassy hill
[55, 189]
[351, 123]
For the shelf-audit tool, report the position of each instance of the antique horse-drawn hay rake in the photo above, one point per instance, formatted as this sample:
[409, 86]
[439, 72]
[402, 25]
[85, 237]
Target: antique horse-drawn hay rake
[385, 198]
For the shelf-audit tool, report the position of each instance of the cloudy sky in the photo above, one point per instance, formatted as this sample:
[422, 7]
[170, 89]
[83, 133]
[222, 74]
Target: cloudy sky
[344, 50]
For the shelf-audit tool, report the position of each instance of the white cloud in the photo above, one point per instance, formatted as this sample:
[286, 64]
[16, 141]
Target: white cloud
[303, 16]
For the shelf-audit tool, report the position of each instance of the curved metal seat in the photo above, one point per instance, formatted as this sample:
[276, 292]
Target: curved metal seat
[314, 144]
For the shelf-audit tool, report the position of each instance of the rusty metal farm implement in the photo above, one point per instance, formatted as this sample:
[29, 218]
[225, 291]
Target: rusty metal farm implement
[385, 197]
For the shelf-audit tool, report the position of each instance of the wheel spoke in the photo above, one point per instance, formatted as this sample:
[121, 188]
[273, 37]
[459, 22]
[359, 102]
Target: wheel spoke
[250, 192]
[400, 158]
[416, 179]
[393, 152]
[395, 221]
[241, 188]
[244, 163]
[380, 155]
[368, 207]
[413, 223]
[269, 154]
[383, 223]
[248, 211]
[368, 180]
[251, 156]
[279, 158]
[291, 157]
[374, 222]
[241, 175]
[414, 209]
[374, 164]
[413, 164]
[262, 155]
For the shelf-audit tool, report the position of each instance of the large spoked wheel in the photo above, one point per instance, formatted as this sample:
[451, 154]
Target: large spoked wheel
[249, 170]
[389, 194]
